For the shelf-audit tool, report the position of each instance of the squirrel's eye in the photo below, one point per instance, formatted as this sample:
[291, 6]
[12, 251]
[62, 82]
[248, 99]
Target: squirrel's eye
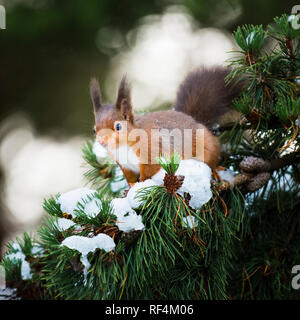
[118, 127]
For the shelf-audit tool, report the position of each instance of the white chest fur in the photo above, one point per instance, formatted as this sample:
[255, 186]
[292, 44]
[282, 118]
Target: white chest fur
[126, 158]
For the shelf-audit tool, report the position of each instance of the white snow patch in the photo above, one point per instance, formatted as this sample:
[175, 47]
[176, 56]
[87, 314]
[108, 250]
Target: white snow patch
[120, 207]
[190, 222]
[19, 255]
[227, 175]
[131, 195]
[16, 246]
[37, 250]
[99, 151]
[197, 176]
[25, 270]
[86, 245]
[92, 207]
[130, 222]
[63, 224]
[250, 38]
[127, 219]
[158, 178]
[69, 201]
[117, 186]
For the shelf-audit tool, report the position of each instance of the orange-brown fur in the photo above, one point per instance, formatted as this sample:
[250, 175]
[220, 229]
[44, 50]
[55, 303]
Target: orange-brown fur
[178, 120]
[130, 176]
[107, 116]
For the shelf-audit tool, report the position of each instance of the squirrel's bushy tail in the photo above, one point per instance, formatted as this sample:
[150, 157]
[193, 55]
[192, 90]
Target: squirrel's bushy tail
[204, 95]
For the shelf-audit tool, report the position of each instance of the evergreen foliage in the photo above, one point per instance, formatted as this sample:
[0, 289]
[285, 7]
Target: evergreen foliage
[242, 244]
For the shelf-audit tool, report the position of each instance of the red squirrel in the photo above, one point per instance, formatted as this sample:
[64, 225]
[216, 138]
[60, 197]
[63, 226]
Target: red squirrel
[202, 100]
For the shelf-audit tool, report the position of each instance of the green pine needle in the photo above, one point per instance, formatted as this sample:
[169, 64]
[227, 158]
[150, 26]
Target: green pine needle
[170, 164]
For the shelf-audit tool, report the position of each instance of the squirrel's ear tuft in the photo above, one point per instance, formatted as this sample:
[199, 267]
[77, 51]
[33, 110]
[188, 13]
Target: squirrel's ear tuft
[126, 110]
[95, 94]
[124, 100]
[123, 92]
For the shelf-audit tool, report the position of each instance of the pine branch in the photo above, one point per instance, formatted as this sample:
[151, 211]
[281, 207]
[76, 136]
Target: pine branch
[255, 172]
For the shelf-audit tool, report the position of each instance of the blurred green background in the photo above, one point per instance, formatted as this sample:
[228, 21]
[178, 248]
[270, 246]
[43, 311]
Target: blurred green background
[49, 51]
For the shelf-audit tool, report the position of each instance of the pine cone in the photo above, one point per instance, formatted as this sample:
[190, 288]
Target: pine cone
[253, 117]
[67, 216]
[258, 181]
[173, 183]
[254, 164]
[131, 237]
